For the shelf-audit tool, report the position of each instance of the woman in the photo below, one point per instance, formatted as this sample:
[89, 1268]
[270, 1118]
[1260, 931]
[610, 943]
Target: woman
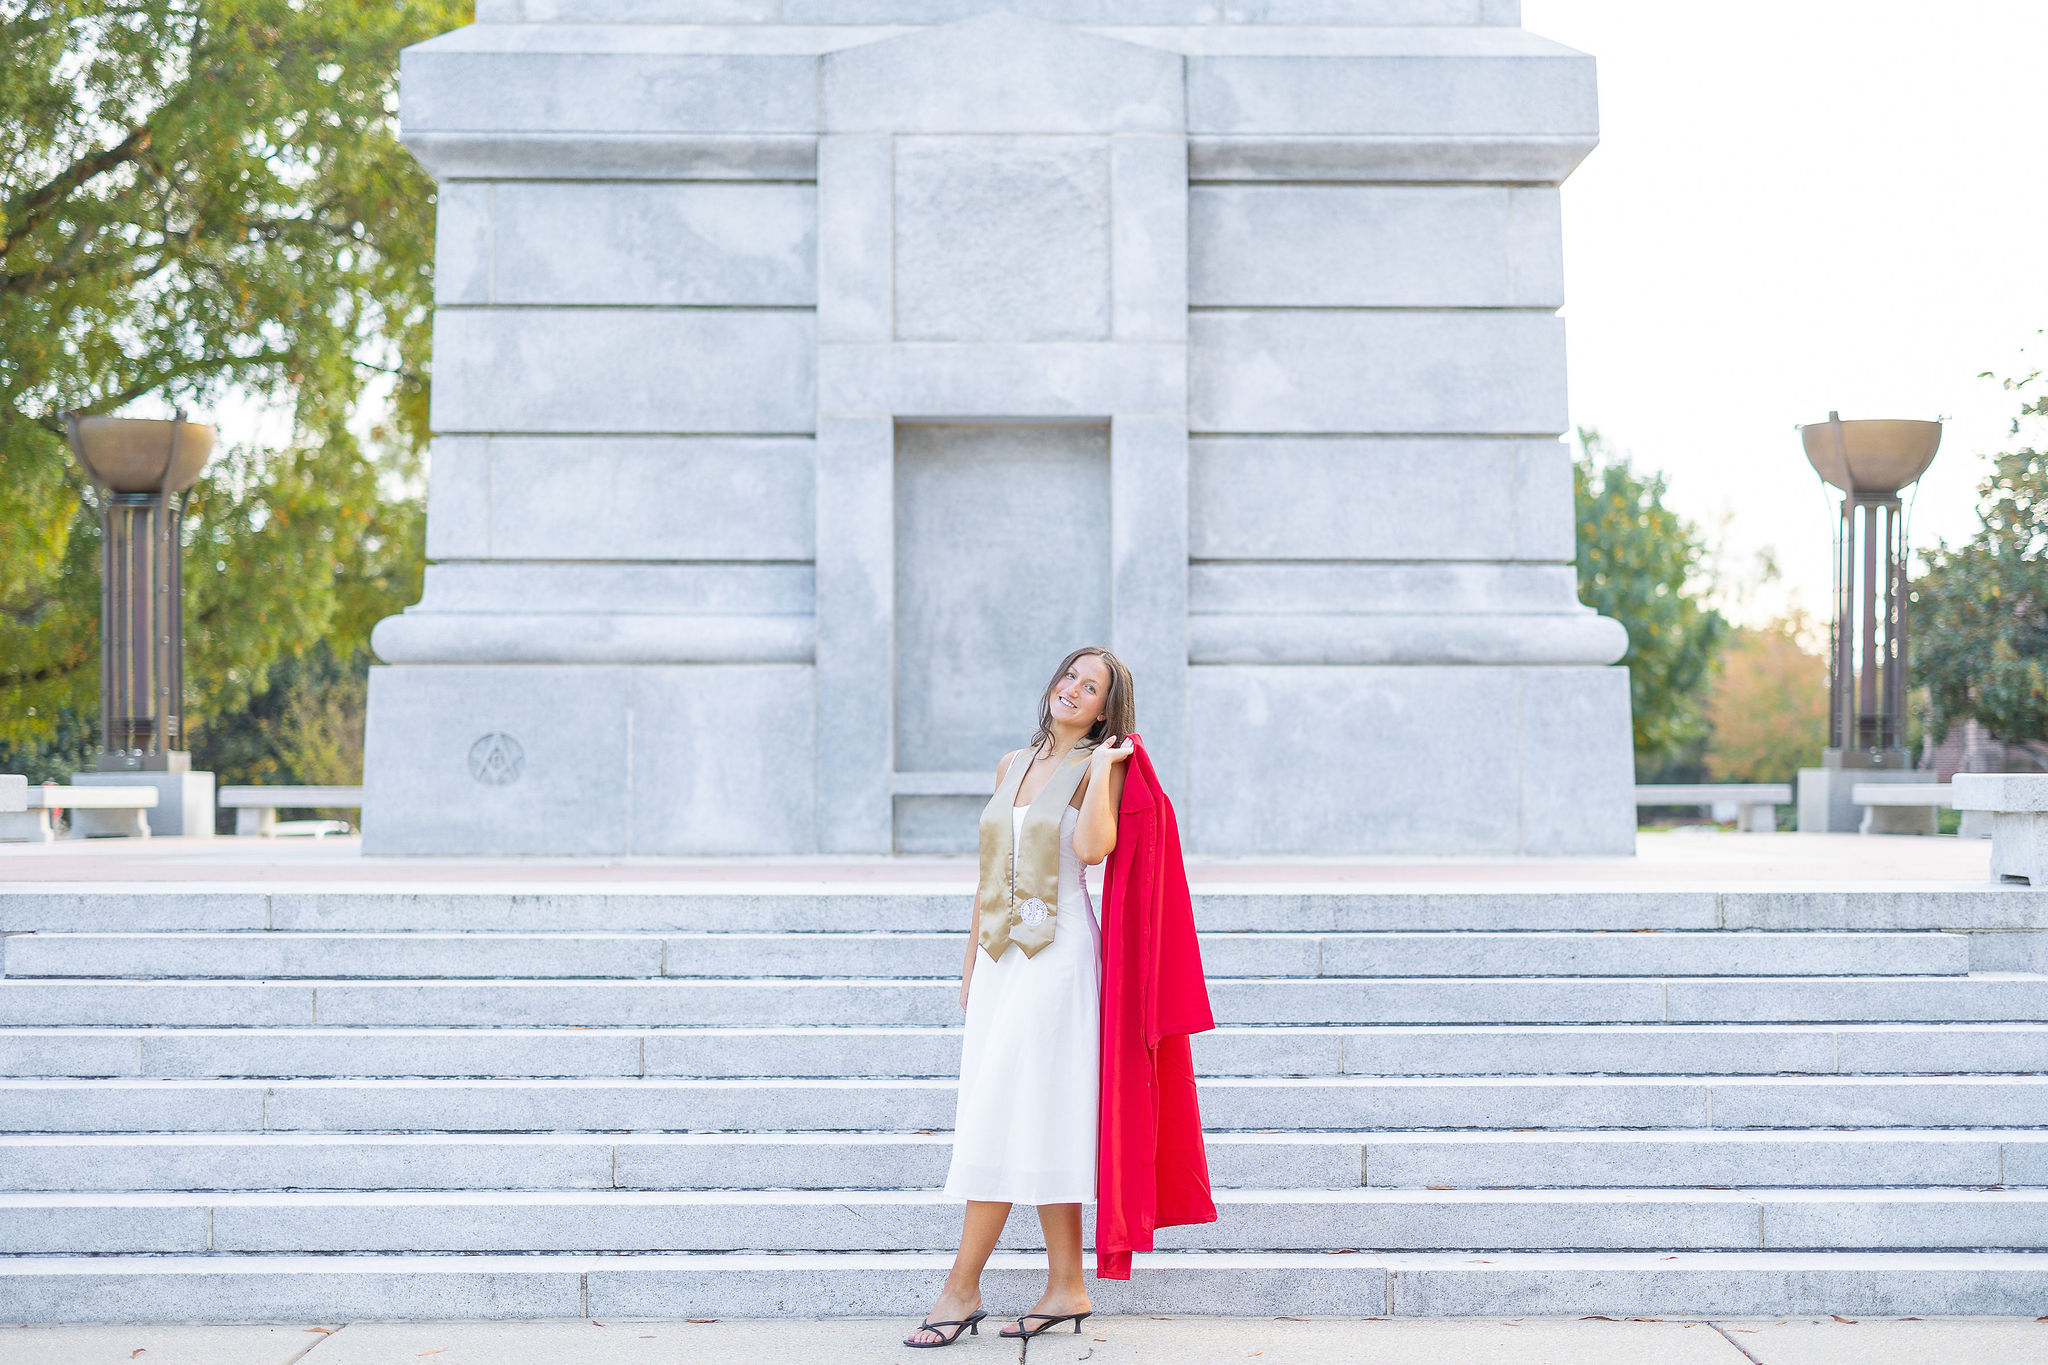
[1025, 1131]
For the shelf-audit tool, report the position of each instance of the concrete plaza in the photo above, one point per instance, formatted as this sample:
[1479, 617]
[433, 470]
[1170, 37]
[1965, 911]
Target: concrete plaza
[1106, 1341]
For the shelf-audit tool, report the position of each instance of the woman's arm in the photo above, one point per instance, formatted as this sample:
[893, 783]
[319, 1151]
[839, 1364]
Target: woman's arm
[973, 921]
[1095, 831]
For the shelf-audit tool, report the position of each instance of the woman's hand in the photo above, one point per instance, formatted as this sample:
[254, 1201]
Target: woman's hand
[1115, 751]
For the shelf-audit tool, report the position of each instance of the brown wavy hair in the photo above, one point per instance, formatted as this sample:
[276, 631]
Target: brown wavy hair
[1119, 705]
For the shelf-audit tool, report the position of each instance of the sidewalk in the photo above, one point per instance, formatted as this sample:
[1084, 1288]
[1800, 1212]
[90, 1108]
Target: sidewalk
[1107, 1341]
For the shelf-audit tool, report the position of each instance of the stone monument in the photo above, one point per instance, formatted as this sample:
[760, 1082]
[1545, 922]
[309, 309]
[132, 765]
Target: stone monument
[810, 375]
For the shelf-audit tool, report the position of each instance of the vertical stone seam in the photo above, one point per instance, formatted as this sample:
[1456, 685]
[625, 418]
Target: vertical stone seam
[583, 1295]
[629, 773]
[1521, 768]
[1514, 273]
[892, 337]
[490, 241]
[209, 1227]
[270, 910]
[1836, 1036]
[490, 480]
[1710, 1105]
[1762, 1239]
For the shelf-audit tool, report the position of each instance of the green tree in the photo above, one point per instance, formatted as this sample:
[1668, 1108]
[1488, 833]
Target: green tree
[1979, 614]
[200, 197]
[1767, 703]
[1639, 563]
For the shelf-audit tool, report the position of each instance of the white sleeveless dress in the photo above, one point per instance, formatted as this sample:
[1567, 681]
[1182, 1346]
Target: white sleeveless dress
[1024, 1132]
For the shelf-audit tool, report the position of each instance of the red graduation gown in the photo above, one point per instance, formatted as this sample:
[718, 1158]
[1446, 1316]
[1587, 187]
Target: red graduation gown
[1151, 1169]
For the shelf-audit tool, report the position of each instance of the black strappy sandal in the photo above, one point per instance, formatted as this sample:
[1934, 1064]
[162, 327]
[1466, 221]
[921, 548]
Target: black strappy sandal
[969, 1324]
[1052, 1320]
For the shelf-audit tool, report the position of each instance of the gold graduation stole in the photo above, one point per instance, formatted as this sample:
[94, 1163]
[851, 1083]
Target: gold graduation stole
[1018, 900]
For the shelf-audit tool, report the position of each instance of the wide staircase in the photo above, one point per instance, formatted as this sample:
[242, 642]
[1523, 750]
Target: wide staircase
[479, 1101]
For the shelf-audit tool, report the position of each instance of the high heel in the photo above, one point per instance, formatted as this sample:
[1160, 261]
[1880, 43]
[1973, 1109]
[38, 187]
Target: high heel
[969, 1325]
[1052, 1320]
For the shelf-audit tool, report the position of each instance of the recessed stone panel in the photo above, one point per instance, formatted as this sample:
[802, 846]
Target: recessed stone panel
[1282, 497]
[462, 242]
[722, 759]
[1433, 587]
[1002, 566]
[620, 91]
[623, 370]
[1368, 246]
[1378, 760]
[523, 586]
[638, 243]
[999, 73]
[1422, 83]
[593, 497]
[1301, 370]
[496, 759]
[1002, 239]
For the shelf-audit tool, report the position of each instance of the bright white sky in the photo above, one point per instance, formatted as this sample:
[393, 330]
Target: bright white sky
[1800, 205]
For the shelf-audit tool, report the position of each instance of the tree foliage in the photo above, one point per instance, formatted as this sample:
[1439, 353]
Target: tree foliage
[199, 198]
[1767, 704]
[1639, 563]
[1978, 635]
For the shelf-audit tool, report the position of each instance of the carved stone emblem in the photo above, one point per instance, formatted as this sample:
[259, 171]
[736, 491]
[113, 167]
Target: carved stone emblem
[496, 760]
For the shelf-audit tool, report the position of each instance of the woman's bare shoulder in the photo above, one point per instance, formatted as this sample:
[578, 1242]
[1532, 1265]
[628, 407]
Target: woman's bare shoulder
[1003, 765]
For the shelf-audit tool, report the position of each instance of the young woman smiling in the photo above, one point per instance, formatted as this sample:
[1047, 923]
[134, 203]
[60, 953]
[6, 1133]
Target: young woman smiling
[1025, 1131]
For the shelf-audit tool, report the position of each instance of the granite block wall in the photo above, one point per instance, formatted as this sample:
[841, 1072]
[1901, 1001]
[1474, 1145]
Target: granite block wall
[781, 344]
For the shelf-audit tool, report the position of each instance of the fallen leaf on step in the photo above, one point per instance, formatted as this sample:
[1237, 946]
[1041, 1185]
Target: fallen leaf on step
[1646, 1319]
[1912, 1319]
[595, 1323]
[323, 1331]
[137, 1351]
[700, 1319]
[1476, 1260]
[1441, 1187]
[1288, 1319]
[1598, 1317]
[1839, 1318]
[438, 1350]
[1341, 1251]
[1748, 1331]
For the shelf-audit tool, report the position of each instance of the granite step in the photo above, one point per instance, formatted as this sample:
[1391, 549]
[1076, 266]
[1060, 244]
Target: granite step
[307, 1288]
[810, 907]
[1659, 1158]
[344, 956]
[932, 1050]
[1990, 997]
[131, 1223]
[1347, 1103]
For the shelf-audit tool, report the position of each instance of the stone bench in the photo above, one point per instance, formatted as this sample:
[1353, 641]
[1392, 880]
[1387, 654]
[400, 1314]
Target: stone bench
[96, 812]
[256, 808]
[1755, 802]
[2017, 804]
[1903, 807]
